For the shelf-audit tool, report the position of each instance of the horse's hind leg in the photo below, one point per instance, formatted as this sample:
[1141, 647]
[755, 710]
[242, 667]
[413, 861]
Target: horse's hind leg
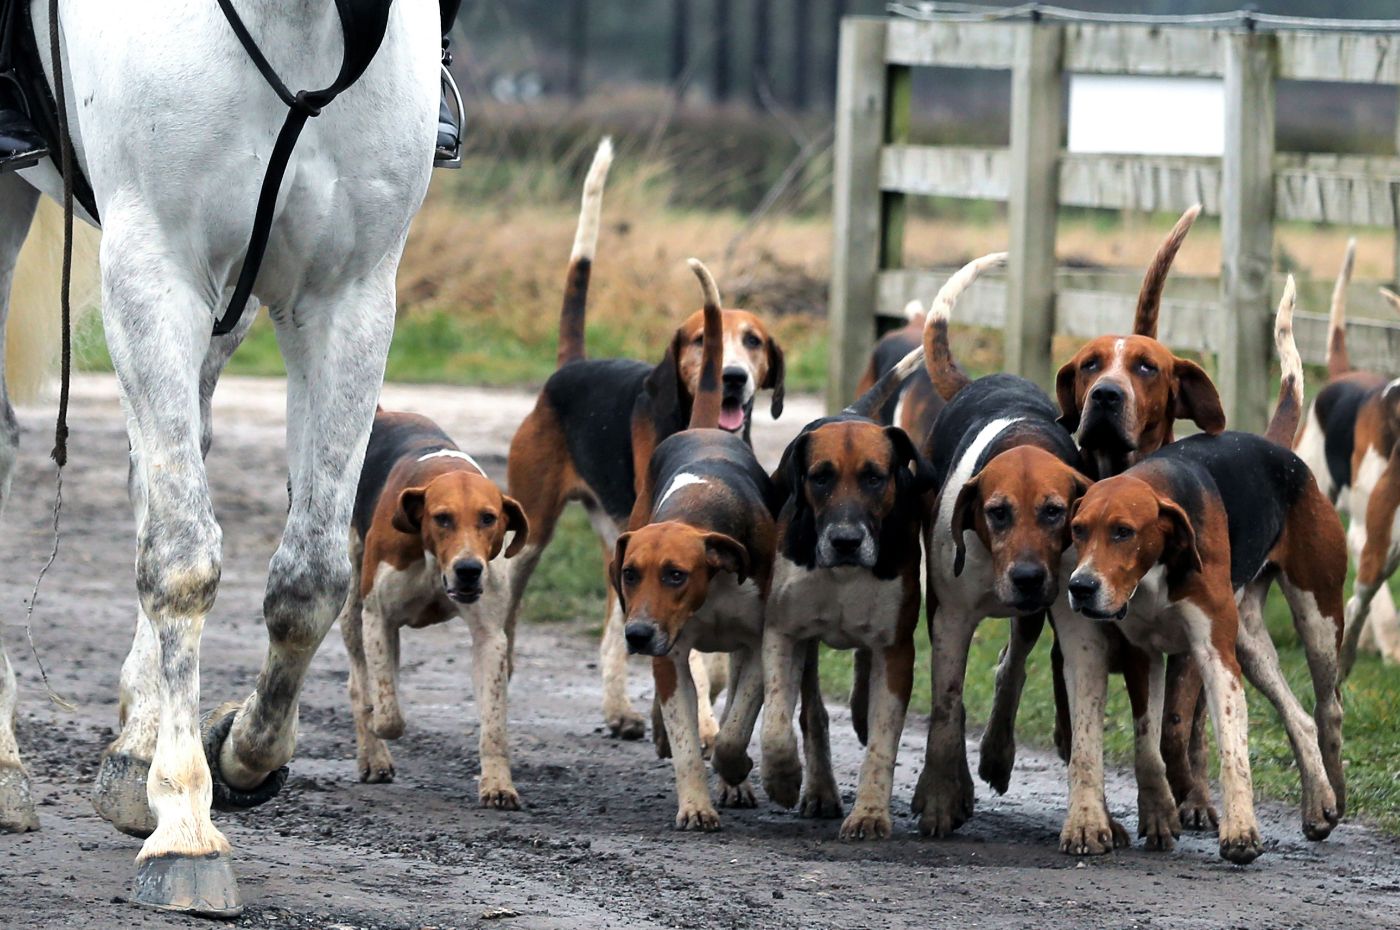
[17, 202]
[335, 350]
[157, 323]
[119, 793]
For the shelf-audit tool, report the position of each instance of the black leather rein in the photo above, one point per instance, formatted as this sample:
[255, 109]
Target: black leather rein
[364, 23]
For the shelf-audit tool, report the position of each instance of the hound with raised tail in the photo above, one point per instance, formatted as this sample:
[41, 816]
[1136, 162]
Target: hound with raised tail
[1178, 553]
[693, 572]
[1348, 440]
[914, 405]
[597, 421]
[1007, 474]
[847, 575]
[426, 542]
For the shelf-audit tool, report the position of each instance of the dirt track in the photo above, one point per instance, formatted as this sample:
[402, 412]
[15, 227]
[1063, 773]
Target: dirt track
[593, 847]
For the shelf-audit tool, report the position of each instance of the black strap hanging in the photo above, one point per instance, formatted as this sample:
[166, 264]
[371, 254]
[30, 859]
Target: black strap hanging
[364, 23]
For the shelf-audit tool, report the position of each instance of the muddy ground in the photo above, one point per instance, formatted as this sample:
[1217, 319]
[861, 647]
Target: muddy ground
[593, 846]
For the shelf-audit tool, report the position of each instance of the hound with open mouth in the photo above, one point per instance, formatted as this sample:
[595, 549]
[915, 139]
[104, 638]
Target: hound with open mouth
[426, 545]
[1177, 554]
[591, 434]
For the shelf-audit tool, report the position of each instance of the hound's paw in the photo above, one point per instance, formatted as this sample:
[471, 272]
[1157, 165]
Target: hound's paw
[740, 795]
[867, 823]
[1240, 845]
[376, 765]
[697, 816]
[1091, 832]
[782, 776]
[820, 802]
[1319, 814]
[732, 763]
[709, 733]
[628, 725]
[997, 758]
[944, 802]
[1196, 812]
[1158, 823]
[499, 795]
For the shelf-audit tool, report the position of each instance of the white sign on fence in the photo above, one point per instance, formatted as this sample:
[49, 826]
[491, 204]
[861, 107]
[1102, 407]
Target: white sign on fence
[1125, 115]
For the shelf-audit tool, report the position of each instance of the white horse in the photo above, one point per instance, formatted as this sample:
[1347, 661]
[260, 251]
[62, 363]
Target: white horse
[173, 126]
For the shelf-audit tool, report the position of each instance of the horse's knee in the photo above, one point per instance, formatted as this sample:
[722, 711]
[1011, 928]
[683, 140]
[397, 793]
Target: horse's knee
[178, 568]
[305, 591]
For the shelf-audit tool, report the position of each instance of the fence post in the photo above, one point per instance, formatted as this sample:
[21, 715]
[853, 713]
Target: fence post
[862, 90]
[1037, 133]
[1247, 230]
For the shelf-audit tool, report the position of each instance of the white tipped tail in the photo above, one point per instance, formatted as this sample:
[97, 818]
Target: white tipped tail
[707, 281]
[1284, 423]
[948, 379]
[952, 289]
[33, 331]
[589, 217]
[1338, 362]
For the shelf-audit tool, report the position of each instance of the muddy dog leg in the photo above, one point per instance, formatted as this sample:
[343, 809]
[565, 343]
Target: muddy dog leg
[1220, 672]
[1260, 663]
[379, 636]
[891, 680]
[1088, 828]
[490, 675]
[17, 203]
[119, 792]
[1378, 554]
[678, 708]
[1316, 617]
[1158, 822]
[1183, 745]
[709, 726]
[373, 759]
[998, 749]
[184, 864]
[731, 752]
[944, 796]
[820, 796]
[782, 769]
[335, 345]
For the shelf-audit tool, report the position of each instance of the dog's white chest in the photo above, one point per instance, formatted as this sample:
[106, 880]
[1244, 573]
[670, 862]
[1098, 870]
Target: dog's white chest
[1154, 621]
[845, 607]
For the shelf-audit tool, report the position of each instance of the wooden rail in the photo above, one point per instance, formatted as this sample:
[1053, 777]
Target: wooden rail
[1250, 188]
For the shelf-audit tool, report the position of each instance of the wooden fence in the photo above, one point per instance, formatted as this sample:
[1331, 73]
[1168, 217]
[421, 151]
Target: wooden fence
[1250, 188]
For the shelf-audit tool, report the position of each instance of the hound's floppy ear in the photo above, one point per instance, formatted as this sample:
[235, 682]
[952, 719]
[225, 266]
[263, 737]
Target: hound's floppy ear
[1195, 397]
[1078, 487]
[1180, 552]
[663, 383]
[1064, 392]
[615, 568]
[965, 511]
[725, 553]
[776, 377]
[796, 457]
[904, 452]
[515, 523]
[408, 518]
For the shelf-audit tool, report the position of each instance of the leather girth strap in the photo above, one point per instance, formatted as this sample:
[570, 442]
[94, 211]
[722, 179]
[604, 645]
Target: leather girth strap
[364, 23]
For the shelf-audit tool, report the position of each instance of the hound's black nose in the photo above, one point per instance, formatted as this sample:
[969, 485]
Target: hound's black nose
[845, 540]
[734, 378]
[1028, 578]
[639, 637]
[1083, 588]
[1107, 396]
[468, 572]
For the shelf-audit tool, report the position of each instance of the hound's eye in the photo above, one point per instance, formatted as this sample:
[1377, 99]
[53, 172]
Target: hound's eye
[443, 520]
[998, 515]
[751, 341]
[698, 340]
[819, 479]
[1089, 364]
[1052, 513]
[488, 518]
[874, 480]
[1123, 533]
[630, 576]
[1079, 532]
[1146, 368]
[674, 577]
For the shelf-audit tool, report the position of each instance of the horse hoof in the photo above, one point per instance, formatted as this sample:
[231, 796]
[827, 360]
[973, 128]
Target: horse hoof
[16, 802]
[119, 794]
[226, 796]
[199, 885]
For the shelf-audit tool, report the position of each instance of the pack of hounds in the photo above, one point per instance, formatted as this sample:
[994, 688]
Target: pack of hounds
[1150, 557]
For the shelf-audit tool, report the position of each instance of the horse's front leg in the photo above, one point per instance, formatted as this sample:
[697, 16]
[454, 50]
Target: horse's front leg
[157, 322]
[335, 346]
[119, 793]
